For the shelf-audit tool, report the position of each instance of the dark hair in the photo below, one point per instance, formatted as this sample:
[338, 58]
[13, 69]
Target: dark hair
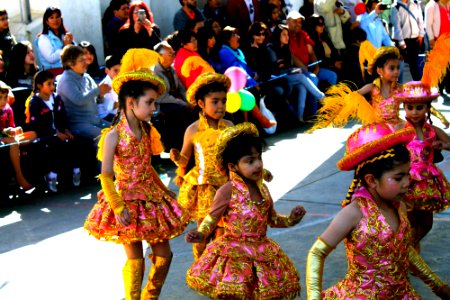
[93, 69]
[111, 61]
[276, 34]
[108, 15]
[312, 22]
[204, 34]
[3, 12]
[382, 60]
[185, 36]
[41, 77]
[47, 14]
[241, 146]
[133, 89]
[378, 167]
[141, 5]
[69, 55]
[358, 34]
[16, 69]
[226, 34]
[255, 28]
[210, 88]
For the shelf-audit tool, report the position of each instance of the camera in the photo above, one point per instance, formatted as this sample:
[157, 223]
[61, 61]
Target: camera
[141, 15]
[384, 6]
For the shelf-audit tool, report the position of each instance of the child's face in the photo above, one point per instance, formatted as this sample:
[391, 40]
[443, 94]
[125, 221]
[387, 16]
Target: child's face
[393, 182]
[88, 57]
[113, 71]
[250, 166]
[4, 22]
[390, 71]
[416, 112]
[29, 58]
[144, 107]
[3, 100]
[214, 105]
[47, 88]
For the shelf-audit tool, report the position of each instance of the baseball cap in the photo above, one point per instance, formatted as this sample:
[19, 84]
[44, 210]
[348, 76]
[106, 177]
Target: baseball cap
[294, 15]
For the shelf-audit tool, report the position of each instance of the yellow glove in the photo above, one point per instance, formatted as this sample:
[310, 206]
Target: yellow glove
[423, 271]
[115, 201]
[208, 225]
[314, 268]
[440, 116]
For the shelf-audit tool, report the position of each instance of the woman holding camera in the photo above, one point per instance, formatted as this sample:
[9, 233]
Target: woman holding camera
[139, 31]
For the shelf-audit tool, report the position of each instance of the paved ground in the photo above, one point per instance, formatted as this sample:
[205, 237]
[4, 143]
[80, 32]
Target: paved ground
[44, 253]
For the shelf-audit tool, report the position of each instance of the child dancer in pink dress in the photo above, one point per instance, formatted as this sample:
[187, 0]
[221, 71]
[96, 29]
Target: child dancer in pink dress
[243, 263]
[136, 206]
[373, 224]
[429, 190]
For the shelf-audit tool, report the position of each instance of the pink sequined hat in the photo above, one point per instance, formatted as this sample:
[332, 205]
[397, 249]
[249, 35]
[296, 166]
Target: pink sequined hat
[368, 140]
[416, 92]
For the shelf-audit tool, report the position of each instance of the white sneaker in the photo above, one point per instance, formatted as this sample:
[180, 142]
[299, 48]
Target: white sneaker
[76, 179]
[51, 184]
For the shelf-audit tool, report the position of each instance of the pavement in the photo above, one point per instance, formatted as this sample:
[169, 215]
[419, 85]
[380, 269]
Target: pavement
[45, 254]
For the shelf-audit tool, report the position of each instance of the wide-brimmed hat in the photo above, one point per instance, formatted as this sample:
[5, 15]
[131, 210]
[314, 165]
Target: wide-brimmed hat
[416, 92]
[370, 140]
[226, 136]
[201, 81]
[137, 64]
[381, 52]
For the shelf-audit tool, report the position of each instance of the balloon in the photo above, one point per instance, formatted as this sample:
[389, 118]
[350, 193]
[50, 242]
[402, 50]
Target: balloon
[238, 78]
[233, 102]
[247, 100]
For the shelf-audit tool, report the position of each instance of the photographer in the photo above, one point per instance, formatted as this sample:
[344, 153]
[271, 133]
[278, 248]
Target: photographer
[139, 31]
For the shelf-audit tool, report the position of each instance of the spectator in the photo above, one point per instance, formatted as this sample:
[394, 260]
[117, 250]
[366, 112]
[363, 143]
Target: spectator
[80, 94]
[271, 16]
[242, 13]
[57, 147]
[23, 66]
[354, 70]
[407, 21]
[188, 14]
[107, 108]
[214, 10]
[2, 68]
[208, 46]
[188, 63]
[368, 19]
[136, 32]
[115, 16]
[7, 39]
[90, 55]
[51, 40]
[307, 9]
[175, 113]
[10, 134]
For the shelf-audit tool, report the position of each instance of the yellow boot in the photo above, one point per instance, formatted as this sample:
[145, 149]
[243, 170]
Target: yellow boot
[156, 277]
[132, 273]
[197, 250]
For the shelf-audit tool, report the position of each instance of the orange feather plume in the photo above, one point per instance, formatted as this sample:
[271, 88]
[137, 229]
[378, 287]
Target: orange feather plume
[437, 62]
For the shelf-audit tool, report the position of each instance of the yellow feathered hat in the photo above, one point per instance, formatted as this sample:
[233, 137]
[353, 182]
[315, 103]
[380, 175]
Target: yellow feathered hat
[136, 64]
[382, 51]
[201, 81]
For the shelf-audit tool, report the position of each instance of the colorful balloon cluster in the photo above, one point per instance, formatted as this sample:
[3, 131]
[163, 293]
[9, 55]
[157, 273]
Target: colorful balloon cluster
[237, 97]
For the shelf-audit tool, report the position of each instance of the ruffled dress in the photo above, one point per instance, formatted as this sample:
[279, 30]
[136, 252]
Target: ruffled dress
[377, 257]
[202, 181]
[244, 262]
[429, 189]
[387, 109]
[155, 214]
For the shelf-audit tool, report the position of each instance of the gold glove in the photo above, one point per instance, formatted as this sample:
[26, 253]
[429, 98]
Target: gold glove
[281, 221]
[439, 115]
[115, 201]
[314, 268]
[208, 225]
[423, 271]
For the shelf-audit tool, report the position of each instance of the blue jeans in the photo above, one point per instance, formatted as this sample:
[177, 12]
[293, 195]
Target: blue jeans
[327, 75]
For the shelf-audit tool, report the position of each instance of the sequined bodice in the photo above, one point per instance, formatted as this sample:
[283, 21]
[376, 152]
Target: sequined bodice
[387, 109]
[377, 255]
[245, 218]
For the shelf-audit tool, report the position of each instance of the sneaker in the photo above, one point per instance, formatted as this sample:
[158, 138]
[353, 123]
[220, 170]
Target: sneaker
[51, 184]
[76, 179]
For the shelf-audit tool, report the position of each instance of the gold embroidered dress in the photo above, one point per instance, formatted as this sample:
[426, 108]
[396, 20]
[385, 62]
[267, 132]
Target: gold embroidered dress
[156, 215]
[202, 181]
[244, 262]
[387, 109]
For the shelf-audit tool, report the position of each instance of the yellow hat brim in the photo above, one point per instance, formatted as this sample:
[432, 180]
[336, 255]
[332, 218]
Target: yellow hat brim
[201, 81]
[141, 75]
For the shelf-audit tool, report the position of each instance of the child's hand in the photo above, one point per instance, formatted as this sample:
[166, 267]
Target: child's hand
[123, 218]
[444, 292]
[441, 145]
[194, 237]
[297, 214]
[175, 155]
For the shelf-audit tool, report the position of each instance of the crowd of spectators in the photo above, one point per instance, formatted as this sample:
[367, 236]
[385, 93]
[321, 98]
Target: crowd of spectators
[290, 57]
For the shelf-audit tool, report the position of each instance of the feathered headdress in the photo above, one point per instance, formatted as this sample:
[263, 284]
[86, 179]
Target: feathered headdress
[437, 62]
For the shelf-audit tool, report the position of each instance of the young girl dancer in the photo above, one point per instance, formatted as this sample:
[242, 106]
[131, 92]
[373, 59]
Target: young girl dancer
[243, 263]
[373, 224]
[136, 206]
[429, 191]
[199, 185]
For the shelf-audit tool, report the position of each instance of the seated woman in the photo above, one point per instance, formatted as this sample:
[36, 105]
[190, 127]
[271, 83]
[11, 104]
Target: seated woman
[90, 55]
[138, 32]
[80, 94]
[23, 66]
[208, 46]
[51, 40]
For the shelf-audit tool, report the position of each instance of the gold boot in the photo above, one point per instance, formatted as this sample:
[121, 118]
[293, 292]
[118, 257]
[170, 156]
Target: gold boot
[132, 273]
[197, 250]
[156, 277]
